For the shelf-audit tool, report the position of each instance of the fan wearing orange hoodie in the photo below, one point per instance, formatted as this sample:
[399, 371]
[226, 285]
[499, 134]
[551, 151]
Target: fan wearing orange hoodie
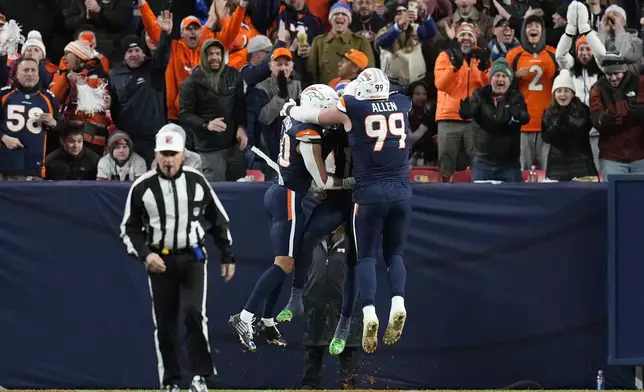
[185, 52]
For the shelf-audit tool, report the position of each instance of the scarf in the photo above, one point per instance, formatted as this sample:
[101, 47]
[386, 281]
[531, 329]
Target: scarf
[212, 77]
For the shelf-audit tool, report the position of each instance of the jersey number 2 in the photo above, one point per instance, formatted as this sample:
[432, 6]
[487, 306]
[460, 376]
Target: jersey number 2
[534, 84]
[379, 127]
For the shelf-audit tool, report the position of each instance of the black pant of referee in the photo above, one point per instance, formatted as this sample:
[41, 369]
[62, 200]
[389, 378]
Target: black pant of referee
[181, 287]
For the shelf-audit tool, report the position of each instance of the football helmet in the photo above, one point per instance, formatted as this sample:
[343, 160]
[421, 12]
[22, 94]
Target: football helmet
[372, 84]
[318, 96]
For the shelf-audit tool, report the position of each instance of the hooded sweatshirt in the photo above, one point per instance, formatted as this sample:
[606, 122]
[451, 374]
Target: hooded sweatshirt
[536, 84]
[213, 77]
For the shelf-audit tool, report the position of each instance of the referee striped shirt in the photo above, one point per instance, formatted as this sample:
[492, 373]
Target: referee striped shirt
[165, 213]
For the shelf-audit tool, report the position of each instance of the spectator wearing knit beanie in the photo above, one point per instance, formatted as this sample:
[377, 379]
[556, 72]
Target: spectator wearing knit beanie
[565, 127]
[122, 163]
[82, 89]
[323, 58]
[618, 115]
[33, 48]
[499, 109]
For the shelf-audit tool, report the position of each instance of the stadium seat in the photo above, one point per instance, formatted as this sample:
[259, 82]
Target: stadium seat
[462, 176]
[424, 174]
[255, 175]
[541, 175]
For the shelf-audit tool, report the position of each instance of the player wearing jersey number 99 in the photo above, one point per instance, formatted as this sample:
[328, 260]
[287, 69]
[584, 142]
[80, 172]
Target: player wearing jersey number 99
[27, 115]
[376, 123]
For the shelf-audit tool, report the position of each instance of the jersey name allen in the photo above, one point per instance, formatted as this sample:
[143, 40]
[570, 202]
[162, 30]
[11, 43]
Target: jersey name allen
[380, 107]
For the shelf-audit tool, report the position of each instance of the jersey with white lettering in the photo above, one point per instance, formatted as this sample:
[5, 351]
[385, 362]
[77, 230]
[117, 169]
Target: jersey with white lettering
[536, 85]
[19, 112]
[294, 174]
[379, 143]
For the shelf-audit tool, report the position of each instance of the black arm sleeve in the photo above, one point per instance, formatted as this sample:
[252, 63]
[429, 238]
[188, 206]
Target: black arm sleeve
[162, 55]
[133, 225]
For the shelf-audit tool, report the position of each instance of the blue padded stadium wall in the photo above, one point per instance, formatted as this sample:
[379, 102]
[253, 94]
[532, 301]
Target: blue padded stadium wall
[505, 283]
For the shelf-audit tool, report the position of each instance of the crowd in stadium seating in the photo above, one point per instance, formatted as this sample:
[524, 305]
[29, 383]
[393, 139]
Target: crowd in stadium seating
[499, 87]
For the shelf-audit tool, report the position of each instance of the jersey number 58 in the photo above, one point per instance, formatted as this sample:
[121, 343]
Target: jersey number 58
[379, 127]
[17, 120]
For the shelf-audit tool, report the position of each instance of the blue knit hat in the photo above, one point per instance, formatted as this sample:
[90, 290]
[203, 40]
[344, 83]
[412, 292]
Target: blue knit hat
[342, 8]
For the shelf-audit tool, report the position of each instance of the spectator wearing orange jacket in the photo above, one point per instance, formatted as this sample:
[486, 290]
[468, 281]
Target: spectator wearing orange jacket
[90, 37]
[185, 52]
[458, 72]
[81, 89]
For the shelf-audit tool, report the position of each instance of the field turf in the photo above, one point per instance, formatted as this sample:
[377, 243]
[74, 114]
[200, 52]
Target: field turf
[319, 390]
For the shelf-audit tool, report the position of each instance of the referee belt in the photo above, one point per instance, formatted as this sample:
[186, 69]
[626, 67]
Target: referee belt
[166, 251]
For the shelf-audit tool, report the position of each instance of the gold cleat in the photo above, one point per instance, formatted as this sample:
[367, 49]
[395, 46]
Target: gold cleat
[394, 328]
[370, 336]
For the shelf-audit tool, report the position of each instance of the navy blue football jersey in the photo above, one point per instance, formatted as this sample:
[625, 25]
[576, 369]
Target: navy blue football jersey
[379, 143]
[18, 114]
[294, 174]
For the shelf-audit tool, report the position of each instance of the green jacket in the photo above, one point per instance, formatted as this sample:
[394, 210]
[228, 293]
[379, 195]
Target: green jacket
[324, 58]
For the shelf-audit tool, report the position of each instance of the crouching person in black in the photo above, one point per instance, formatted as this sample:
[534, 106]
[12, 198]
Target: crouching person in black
[322, 301]
[565, 126]
[500, 110]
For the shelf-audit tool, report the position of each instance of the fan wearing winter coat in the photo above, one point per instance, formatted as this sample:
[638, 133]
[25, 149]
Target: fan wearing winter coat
[500, 110]
[565, 126]
[122, 163]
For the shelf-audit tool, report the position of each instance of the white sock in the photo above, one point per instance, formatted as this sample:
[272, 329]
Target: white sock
[246, 316]
[268, 322]
[398, 304]
[369, 312]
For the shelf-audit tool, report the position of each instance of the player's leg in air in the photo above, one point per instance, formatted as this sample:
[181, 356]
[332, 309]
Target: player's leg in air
[349, 294]
[325, 217]
[368, 226]
[394, 238]
[286, 216]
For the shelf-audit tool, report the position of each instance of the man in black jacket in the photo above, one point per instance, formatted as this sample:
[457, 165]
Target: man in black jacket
[211, 104]
[323, 299]
[138, 90]
[500, 111]
[111, 19]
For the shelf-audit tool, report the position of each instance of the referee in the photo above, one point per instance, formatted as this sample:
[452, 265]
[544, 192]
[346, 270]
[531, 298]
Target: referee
[161, 228]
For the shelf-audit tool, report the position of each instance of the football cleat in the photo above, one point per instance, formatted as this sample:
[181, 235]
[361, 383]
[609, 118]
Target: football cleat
[244, 331]
[271, 334]
[395, 327]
